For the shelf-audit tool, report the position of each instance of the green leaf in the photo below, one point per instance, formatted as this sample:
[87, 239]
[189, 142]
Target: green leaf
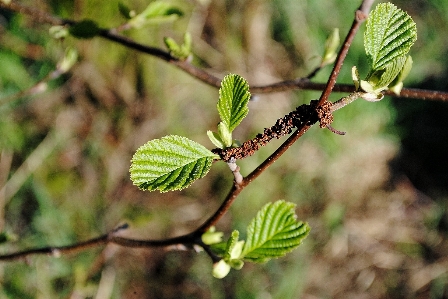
[156, 12]
[273, 232]
[225, 134]
[69, 59]
[84, 29]
[390, 34]
[234, 96]
[331, 46]
[170, 163]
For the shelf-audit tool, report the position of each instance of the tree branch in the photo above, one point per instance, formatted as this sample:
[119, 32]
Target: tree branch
[360, 15]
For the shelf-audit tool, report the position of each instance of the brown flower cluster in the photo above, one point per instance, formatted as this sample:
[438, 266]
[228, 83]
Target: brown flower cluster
[306, 114]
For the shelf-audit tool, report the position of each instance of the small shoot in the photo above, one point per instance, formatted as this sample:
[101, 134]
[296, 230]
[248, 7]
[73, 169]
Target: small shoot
[58, 31]
[231, 257]
[156, 12]
[69, 59]
[331, 47]
[170, 163]
[397, 84]
[273, 233]
[181, 52]
[232, 106]
[212, 236]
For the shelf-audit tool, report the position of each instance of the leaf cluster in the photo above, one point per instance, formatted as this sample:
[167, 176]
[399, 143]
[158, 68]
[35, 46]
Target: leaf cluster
[390, 34]
[274, 232]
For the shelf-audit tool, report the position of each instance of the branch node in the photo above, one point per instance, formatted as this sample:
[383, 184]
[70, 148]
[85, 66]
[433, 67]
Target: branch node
[236, 170]
[56, 253]
[360, 16]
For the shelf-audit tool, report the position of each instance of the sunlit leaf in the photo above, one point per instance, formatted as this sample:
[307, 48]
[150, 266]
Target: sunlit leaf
[170, 163]
[234, 96]
[331, 46]
[390, 34]
[156, 12]
[273, 232]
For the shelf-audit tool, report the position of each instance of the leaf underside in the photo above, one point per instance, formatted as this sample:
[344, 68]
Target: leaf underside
[169, 163]
[273, 232]
[390, 33]
[233, 98]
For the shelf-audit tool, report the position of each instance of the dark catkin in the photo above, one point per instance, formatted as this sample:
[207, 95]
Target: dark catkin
[301, 116]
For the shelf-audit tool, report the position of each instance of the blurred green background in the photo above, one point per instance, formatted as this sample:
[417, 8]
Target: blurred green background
[376, 199]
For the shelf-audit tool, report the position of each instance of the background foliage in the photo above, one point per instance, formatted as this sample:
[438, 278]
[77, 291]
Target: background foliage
[376, 199]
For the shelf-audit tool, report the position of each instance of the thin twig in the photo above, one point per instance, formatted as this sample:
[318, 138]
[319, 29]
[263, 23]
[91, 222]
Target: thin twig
[57, 251]
[205, 77]
[5, 166]
[360, 15]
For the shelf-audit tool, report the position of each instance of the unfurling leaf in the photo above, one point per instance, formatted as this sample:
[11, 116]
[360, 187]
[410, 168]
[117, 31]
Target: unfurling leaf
[273, 232]
[355, 77]
[397, 84]
[170, 163]
[231, 258]
[234, 96]
[181, 52]
[225, 134]
[58, 31]
[331, 46]
[69, 59]
[390, 34]
[156, 12]
[212, 236]
[234, 247]
[216, 139]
